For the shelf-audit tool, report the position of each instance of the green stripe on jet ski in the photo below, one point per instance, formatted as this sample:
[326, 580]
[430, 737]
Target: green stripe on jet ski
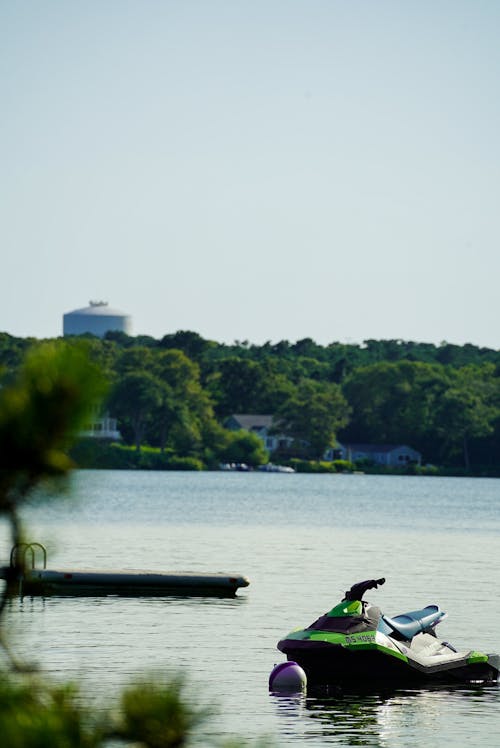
[366, 641]
[383, 650]
[317, 636]
[327, 636]
[476, 657]
[351, 642]
[346, 608]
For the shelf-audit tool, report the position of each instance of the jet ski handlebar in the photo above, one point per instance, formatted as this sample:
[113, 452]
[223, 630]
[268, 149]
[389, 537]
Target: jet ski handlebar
[358, 590]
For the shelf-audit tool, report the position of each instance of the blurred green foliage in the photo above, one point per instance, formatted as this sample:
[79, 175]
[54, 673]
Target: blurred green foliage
[42, 409]
[156, 716]
[150, 714]
[34, 715]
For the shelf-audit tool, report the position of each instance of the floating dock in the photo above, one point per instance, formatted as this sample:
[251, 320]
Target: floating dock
[126, 583]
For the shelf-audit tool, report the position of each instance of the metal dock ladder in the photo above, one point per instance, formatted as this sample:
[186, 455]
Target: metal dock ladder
[26, 548]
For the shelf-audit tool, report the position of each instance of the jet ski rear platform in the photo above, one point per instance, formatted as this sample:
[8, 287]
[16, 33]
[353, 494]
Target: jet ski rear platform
[356, 644]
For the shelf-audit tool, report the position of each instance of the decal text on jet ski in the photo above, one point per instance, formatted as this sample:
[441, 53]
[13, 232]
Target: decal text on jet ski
[366, 638]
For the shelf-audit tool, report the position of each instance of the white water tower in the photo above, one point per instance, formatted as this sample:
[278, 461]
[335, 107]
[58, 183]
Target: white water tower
[96, 319]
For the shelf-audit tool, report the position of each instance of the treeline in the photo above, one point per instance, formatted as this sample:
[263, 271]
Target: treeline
[174, 394]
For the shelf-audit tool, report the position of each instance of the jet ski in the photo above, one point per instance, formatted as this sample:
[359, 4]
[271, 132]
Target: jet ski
[356, 644]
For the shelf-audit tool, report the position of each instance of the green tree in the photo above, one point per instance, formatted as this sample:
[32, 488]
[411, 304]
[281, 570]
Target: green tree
[185, 416]
[245, 386]
[238, 386]
[190, 343]
[133, 400]
[468, 409]
[242, 447]
[12, 351]
[134, 359]
[435, 409]
[102, 353]
[395, 403]
[313, 417]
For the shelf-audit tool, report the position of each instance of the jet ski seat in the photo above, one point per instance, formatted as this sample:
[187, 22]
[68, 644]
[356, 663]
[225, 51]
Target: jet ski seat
[410, 624]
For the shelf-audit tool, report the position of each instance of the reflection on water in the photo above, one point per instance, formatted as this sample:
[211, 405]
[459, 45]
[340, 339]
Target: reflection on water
[381, 719]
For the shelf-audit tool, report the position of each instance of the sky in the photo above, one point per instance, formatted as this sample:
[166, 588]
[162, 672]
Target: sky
[255, 171]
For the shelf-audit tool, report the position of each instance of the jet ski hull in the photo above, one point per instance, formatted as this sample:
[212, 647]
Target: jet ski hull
[337, 665]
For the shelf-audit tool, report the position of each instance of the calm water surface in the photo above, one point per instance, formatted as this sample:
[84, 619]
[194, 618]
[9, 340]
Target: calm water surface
[302, 540]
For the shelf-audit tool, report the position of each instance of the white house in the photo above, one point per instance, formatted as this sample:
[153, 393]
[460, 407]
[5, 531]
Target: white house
[101, 426]
[261, 425]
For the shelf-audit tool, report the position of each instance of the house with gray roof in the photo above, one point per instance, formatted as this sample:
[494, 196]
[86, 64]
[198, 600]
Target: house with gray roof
[261, 425]
[391, 455]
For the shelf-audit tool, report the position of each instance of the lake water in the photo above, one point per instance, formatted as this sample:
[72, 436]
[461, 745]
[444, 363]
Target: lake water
[302, 540]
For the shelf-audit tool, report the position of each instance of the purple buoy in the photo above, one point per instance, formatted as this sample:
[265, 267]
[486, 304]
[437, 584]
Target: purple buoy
[287, 676]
